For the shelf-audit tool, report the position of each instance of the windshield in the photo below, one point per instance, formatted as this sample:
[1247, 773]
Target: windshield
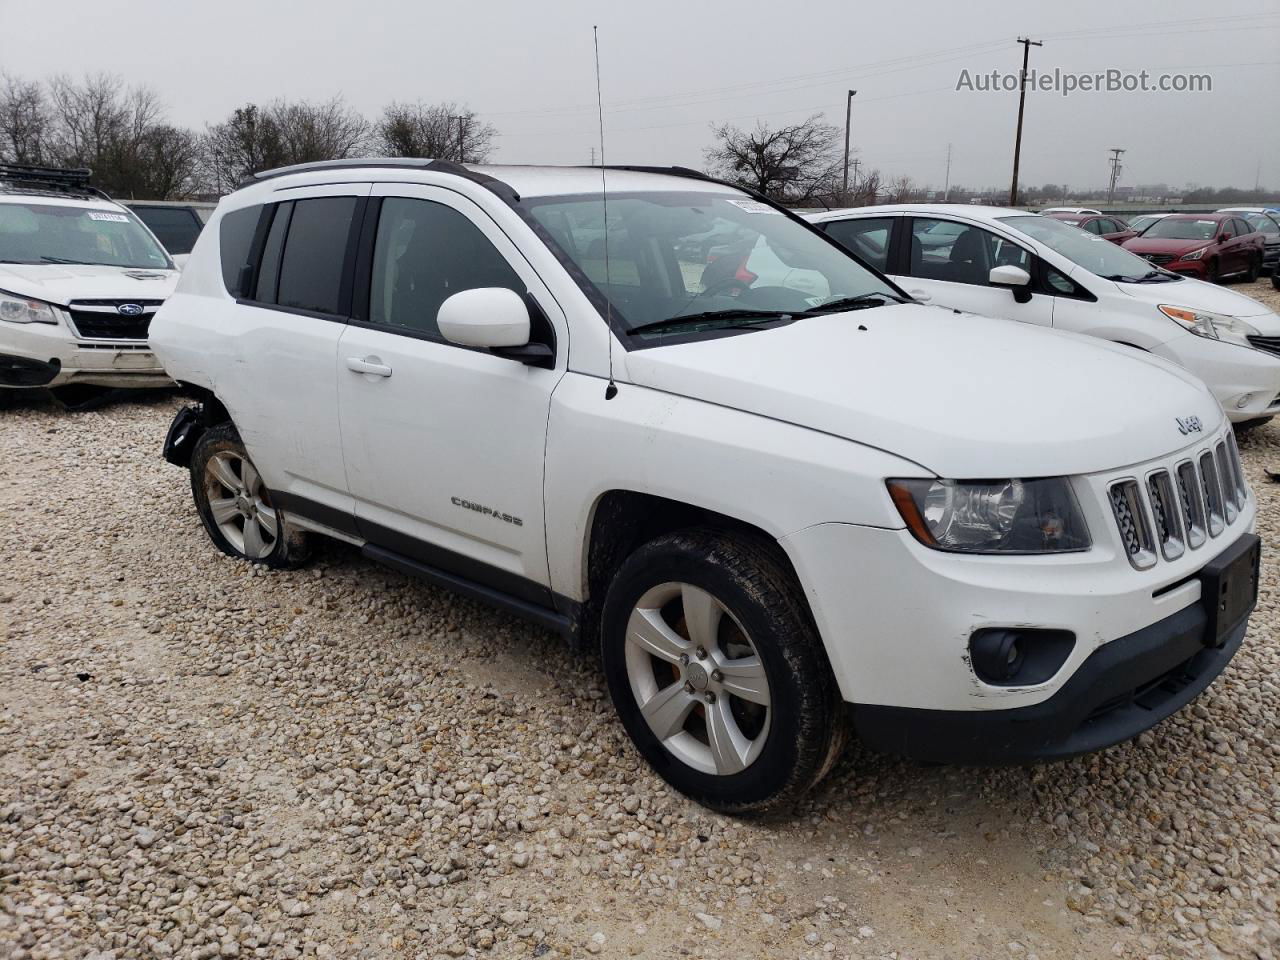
[1262, 223]
[1096, 254]
[1172, 228]
[51, 233]
[721, 259]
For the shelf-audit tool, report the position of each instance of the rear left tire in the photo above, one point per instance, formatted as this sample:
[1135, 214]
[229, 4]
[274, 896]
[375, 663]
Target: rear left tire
[235, 505]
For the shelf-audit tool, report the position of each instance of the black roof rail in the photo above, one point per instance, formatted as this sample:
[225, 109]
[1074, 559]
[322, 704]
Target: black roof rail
[497, 186]
[55, 180]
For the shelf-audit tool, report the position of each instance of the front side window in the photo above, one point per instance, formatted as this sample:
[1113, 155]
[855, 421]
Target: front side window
[425, 252]
[867, 237]
[53, 233]
[960, 253]
[314, 254]
[685, 261]
[1095, 254]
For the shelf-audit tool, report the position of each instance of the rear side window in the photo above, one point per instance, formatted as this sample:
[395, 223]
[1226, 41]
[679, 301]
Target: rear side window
[235, 240]
[175, 227]
[867, 238]
[314, 254]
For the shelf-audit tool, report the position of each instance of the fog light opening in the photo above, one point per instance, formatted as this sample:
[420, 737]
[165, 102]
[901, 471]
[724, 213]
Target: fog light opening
[1244, 400]
[1021, 657]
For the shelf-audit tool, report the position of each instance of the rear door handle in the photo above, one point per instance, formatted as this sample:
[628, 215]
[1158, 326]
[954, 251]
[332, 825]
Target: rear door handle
[370, 365]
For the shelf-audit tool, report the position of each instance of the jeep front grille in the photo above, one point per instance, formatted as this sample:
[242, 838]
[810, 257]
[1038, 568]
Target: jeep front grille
[1179, 507]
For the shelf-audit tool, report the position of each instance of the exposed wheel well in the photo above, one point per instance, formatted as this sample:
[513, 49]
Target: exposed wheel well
[625, 520]
[215, 412]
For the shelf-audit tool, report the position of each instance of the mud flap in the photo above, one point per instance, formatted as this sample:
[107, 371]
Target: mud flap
[188, 424]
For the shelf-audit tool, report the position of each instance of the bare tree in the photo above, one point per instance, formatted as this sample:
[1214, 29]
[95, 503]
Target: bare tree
[25, 121]
[793, 164]
[168, 163]
[319, 131]
[441, 130]
[901, 189]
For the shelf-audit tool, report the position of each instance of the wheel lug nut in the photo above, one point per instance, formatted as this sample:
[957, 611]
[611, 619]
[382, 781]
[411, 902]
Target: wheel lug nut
[700, 653]
[684, 659]
[688, 687]
[717, 676]
[710, 698]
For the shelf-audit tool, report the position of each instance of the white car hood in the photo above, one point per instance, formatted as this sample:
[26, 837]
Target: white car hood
[967, 397]
[62, 283]
[1199, 295]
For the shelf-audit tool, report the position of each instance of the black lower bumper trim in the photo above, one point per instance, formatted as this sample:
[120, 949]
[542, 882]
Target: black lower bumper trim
[25, 372]
[1123, 688]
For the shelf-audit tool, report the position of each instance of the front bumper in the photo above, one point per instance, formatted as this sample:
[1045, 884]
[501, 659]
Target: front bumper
[1125, 687]
[1244, 379]
[54, 351]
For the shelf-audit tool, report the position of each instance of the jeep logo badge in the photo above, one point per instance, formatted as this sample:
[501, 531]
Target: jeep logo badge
[129, 309]
[1188, 425]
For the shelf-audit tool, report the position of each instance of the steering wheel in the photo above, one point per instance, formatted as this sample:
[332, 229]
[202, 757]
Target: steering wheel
[722, 287]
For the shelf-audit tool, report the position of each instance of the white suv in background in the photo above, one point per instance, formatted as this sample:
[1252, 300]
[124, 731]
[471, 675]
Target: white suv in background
[80, 279]
[1021, 266]
[779, 515]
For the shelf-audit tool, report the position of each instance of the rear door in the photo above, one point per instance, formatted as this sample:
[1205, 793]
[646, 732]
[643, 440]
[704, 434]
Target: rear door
[444, 444]
[292, 304]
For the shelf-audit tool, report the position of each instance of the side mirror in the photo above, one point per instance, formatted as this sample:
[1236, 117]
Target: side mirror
[1015, 278]
[1224, 238]
[492, 318]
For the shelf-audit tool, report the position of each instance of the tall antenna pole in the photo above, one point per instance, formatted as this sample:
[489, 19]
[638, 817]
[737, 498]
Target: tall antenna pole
[848, 121]
[1027, 44]
[1116, 154]
[946, 188]
[461, 120]
[611, 390]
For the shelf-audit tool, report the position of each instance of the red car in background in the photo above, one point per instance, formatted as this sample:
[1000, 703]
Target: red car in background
[1208, 246]
[1110, 228]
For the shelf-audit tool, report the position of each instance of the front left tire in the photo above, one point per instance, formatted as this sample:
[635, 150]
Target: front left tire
[718, 673]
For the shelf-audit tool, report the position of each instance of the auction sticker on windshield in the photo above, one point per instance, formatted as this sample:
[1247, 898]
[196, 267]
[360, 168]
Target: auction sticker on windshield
[108, 217]
[752, 206]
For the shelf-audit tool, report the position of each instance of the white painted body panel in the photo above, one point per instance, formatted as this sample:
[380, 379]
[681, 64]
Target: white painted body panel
[792, 430]
[1245, 381]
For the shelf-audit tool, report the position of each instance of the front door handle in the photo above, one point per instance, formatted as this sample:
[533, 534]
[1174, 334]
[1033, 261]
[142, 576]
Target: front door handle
[370, 365]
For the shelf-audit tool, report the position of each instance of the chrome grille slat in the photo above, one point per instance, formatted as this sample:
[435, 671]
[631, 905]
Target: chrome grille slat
[1179, 505]
[1191, 494]
[1226, 477]
[1167, 513]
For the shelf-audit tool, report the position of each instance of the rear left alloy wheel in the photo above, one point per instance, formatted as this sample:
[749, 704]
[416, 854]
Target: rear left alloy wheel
[717, 671]
[235, 505]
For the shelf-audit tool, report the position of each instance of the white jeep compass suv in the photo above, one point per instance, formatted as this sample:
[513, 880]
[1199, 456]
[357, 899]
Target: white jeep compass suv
[80, 279]
[780, 510]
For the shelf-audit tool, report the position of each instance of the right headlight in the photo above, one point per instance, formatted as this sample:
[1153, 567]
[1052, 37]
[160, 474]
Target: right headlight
[992, 516]
[19, 309]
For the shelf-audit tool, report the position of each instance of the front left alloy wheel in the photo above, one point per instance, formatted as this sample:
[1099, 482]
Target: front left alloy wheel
[717, 671]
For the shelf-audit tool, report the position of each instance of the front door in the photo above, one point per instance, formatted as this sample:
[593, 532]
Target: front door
[444, 444]
[952, 261]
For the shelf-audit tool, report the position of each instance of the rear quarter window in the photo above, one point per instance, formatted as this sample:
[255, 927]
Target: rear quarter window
[235, 241]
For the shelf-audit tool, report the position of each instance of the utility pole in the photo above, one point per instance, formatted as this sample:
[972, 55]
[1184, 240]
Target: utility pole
[1114, 160]
[856, 164]
[1027, 44]
[848, 119]
[461, 120]
[946, 188]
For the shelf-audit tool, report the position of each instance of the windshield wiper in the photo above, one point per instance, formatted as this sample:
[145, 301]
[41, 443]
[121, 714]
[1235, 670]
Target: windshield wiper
[861, 302]
[80, 263]
[1145, 278]
[744, 316]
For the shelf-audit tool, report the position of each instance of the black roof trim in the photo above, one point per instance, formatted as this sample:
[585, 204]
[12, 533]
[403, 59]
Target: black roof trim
[499, 187]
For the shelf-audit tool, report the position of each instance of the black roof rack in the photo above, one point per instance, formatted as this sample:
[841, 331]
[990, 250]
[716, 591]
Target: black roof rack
[29, 178]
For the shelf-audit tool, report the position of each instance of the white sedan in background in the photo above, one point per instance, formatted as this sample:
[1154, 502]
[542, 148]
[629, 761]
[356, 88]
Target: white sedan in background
[1022, 266]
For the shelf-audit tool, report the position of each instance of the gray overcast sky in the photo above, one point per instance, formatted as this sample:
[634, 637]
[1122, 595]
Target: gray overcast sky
[672, 68]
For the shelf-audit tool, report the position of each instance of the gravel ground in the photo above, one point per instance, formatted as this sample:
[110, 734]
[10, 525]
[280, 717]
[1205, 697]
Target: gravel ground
[199, 758]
